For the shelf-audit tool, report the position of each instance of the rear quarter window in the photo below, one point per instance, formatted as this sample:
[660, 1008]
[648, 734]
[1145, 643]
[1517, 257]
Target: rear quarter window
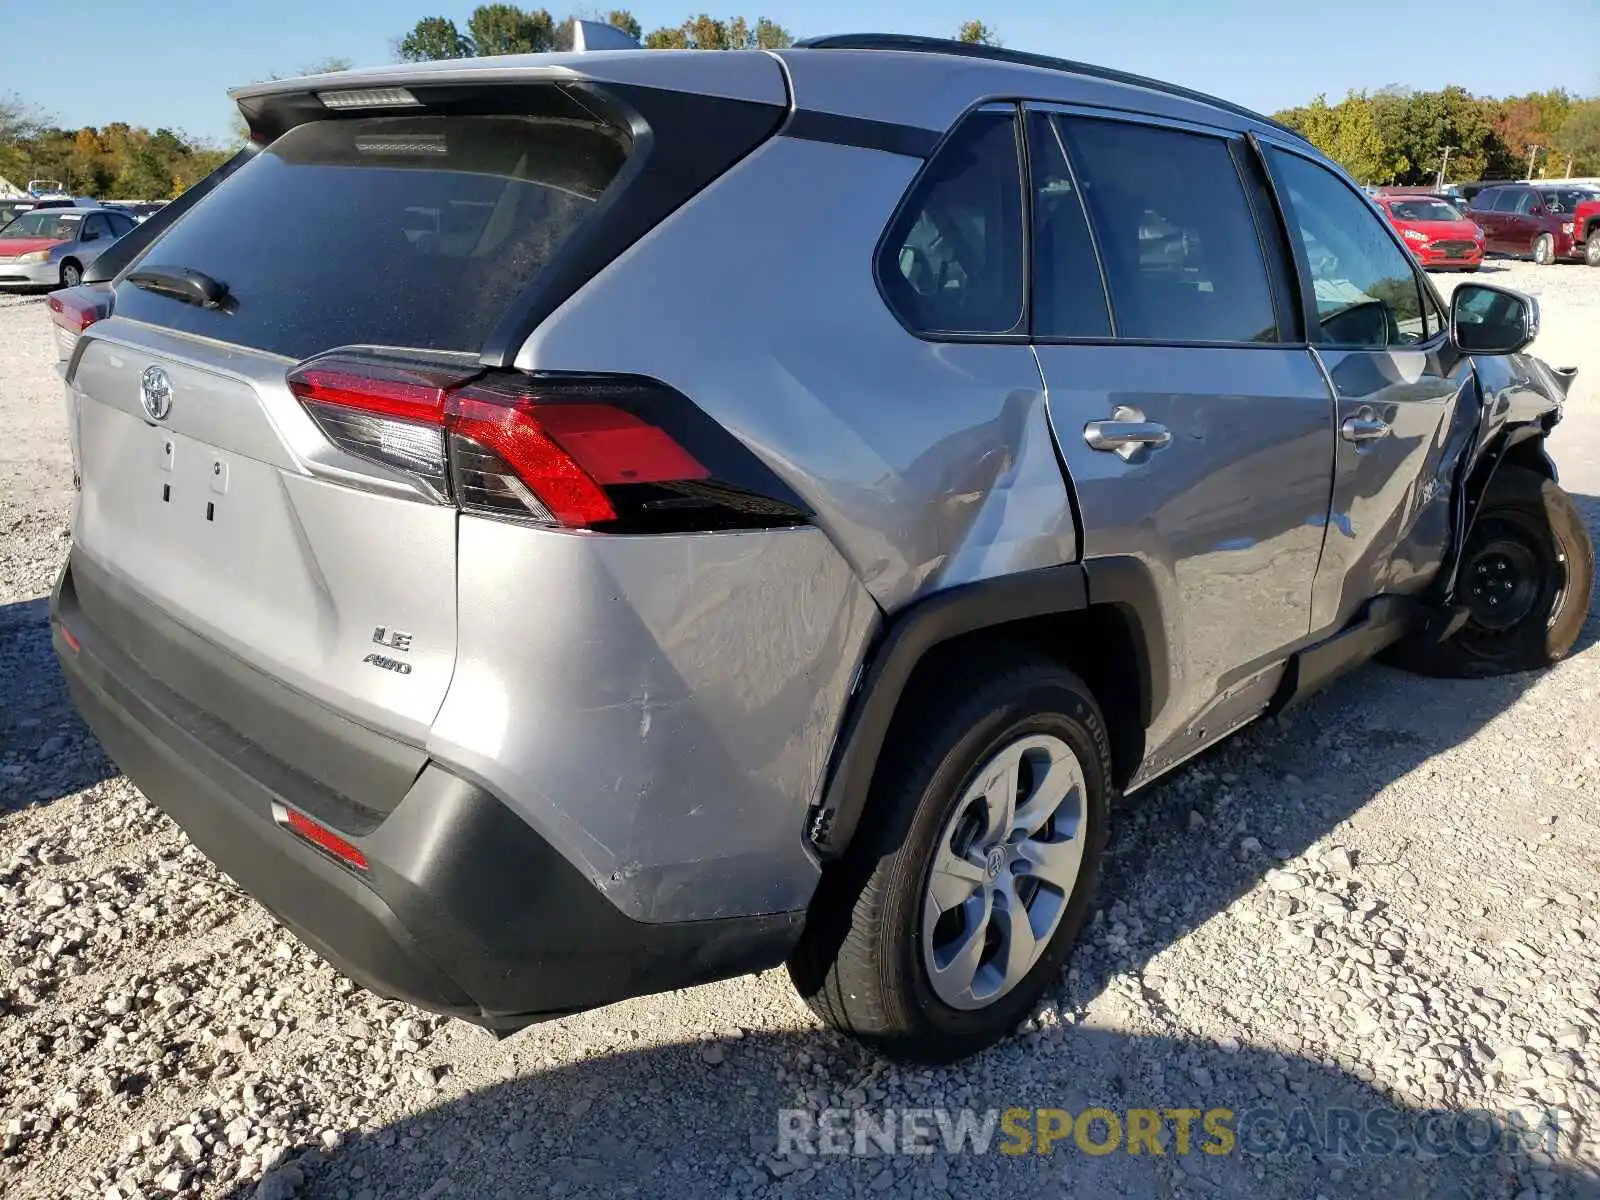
[401, 231]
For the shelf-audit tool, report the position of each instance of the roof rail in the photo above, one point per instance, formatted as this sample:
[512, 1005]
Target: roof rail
[932, 45]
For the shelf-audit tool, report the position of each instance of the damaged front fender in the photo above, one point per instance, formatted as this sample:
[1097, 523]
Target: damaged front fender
[1520, 400]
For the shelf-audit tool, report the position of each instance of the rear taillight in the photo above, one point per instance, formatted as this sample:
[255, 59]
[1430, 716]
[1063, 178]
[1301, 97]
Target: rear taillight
[388, 410]
[613, 453]
[75, 312]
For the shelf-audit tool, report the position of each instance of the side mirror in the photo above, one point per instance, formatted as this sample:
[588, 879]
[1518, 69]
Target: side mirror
[1485, 319]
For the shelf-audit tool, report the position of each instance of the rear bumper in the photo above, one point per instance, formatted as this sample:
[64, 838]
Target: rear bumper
[463, 909]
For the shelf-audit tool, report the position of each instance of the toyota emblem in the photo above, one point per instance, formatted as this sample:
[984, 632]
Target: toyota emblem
[155, 393]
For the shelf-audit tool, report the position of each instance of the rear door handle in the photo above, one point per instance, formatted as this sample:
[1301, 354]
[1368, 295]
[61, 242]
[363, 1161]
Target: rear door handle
[1365, 426]
[1126, 434]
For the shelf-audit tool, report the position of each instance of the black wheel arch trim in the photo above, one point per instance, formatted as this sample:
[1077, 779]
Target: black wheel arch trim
[910, 634]
[1522, 443]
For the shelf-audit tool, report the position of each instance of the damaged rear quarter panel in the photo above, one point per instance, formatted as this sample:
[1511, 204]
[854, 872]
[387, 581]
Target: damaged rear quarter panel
[660, 709]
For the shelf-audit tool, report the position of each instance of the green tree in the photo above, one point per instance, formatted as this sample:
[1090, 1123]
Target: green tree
[1579, 136]
[770, 35]
[18, 120]
[667, 39]
[977, 33]
[507, 29]
[1346, 132]
[433, 38]
[327, 66]
[706, 32]
[624, 20]
[146, 177]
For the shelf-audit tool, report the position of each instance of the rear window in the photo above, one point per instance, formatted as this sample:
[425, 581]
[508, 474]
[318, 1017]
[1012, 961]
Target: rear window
[398, 231]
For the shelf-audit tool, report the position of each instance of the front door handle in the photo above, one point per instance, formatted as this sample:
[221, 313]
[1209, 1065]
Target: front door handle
[1127, 433]
[1365, 426]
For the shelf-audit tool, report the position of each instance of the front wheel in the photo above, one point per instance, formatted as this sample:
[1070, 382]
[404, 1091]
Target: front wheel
[71, 274]
[1526, 579]
[1591, 249]
[965, 887]
[1544, 250]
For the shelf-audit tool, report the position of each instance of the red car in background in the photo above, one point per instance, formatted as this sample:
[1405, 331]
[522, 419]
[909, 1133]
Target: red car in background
[1586, 229]
[1435, 232]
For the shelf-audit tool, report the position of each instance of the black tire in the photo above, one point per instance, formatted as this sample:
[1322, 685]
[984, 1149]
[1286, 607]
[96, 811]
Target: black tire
[860, 963]
[1544, 250]
[1529, 540]
[71, 274]
[1591, 249]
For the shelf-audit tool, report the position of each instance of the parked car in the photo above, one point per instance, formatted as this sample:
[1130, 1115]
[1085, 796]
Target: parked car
[50, 247]
[1435, 232]
[1449, 193]
[1586, 229]
[1580, 204]
[1517, 219]
[521, 666]
[140, 210]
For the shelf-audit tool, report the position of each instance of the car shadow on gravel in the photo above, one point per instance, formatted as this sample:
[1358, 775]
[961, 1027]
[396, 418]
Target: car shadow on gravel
[46, 752]
[665, 1121]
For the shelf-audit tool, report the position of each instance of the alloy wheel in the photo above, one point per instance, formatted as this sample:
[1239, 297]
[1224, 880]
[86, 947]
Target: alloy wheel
[1004, 868]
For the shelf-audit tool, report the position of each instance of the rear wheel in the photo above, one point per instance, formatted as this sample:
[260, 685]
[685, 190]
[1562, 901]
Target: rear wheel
[1526, 579]
[1544, 250]
[962, 893]
[1591, 249]
[71, 274]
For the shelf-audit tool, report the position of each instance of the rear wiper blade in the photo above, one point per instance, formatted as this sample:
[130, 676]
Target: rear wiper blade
[181, 283]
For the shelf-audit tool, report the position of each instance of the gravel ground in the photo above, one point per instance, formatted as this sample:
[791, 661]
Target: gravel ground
[1385, 900]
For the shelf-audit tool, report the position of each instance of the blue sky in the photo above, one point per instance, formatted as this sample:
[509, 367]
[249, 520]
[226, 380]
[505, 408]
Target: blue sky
[170, 62]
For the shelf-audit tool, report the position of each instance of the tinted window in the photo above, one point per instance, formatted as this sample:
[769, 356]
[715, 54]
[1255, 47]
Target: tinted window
[96, 228]
[1367, 292]
[1525, 201]
[1069, 299]
[1505, 201]
[952, 262]
[1566, 199]
[1181, 253]
[401, 231]
[121, 224]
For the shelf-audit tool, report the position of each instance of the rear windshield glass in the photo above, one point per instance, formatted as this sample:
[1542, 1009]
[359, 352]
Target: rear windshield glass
[408, 231]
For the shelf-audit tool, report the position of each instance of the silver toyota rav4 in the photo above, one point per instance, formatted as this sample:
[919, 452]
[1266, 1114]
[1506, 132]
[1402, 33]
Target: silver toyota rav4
[565, 527]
